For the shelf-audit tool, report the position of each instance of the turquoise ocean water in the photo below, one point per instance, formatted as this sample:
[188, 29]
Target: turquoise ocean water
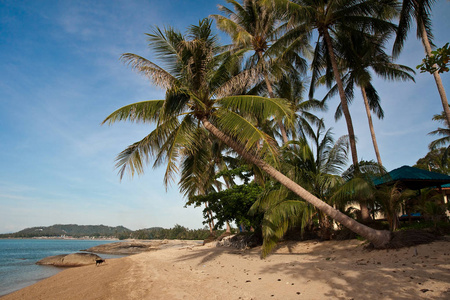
[18, 258]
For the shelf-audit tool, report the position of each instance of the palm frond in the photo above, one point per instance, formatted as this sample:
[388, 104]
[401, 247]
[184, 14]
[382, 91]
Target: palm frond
[156, 74]
[145, 111]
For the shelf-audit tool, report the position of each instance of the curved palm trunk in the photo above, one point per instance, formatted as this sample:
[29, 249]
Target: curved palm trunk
[437, 77]
[271, 95]
[365, 215]
[379, 238]
[372, 131]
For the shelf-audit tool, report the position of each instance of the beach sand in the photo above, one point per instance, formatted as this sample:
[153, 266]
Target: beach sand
[296, 270]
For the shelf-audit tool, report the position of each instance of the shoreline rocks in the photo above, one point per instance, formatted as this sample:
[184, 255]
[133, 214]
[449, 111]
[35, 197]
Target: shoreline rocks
[134, 247]
[70, 260]
[125, 248]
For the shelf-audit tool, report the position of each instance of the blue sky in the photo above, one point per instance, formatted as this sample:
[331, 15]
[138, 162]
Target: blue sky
[61, 76]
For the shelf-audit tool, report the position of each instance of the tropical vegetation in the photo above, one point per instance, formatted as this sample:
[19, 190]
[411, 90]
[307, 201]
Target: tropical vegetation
[234, 123]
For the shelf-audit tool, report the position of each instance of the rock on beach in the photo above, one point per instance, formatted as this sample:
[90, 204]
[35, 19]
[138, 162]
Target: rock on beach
[70, 260]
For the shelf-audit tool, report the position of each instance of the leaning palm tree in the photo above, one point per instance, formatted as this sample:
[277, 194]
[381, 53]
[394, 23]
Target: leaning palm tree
[420, 11]
[316, 168]
[254, 29]
[360, 54]
[199, 93]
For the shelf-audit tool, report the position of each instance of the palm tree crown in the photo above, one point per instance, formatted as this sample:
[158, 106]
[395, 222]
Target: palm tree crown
[197, 80]
[200, 89]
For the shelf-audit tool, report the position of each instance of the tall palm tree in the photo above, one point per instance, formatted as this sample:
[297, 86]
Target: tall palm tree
[254, 28]
[197, 84]
[329, 17]
[359, 54]
[420, 11]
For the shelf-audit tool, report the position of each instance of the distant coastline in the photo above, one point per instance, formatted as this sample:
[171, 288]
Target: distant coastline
[103, 232]
[61, 238]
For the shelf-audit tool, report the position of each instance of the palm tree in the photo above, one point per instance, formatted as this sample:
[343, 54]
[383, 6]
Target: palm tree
[317, 169]
[329, 17]
[443, 132]
[443, 142]
[386, 199]
[199, 165]
[291, 87]
[420, 10]
[359, 53]
[254, 28]
[198, 86]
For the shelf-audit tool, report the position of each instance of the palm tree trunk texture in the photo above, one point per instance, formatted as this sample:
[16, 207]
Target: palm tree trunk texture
[379, 238]
[271, 95]
[228, 227]
[437, 77]
[372, 131]
[344, 104]
[209, 219]
[365, 215]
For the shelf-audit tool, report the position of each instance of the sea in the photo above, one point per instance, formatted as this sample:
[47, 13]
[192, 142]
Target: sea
[18, 259]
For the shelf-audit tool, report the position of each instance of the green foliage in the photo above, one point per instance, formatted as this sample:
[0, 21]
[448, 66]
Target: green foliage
[72, 230]
[178, 232]
[389, 200]
[437, 61]
[317, 172]
[444, 226]
[435, 161]
[231, 205]
[201, 86]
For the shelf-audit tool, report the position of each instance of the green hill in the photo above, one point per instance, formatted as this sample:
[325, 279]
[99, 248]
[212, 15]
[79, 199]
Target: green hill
[70, 230]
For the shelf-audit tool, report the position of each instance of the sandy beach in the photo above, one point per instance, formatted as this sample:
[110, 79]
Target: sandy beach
[296, 270]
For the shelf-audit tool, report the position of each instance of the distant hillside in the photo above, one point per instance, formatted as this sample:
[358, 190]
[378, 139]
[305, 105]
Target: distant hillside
[71, 230]
[120, 232]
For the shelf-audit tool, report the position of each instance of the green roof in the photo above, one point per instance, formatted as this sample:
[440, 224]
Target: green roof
[413, 178]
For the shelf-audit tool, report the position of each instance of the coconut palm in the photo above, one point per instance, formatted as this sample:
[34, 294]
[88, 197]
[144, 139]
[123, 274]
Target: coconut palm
[199, 93]
[442, 144]
[329, 17]
[317, 169]
[444, 132]
[254, 28]
[291, 87]
[420, 11]
[199, 166]
[359, 54]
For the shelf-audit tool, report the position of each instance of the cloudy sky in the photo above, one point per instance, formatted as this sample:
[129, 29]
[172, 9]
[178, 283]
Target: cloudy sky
[60, 76]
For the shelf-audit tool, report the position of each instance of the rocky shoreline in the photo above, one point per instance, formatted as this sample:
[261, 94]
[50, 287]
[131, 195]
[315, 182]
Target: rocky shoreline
[70, 260]
[130, 247]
